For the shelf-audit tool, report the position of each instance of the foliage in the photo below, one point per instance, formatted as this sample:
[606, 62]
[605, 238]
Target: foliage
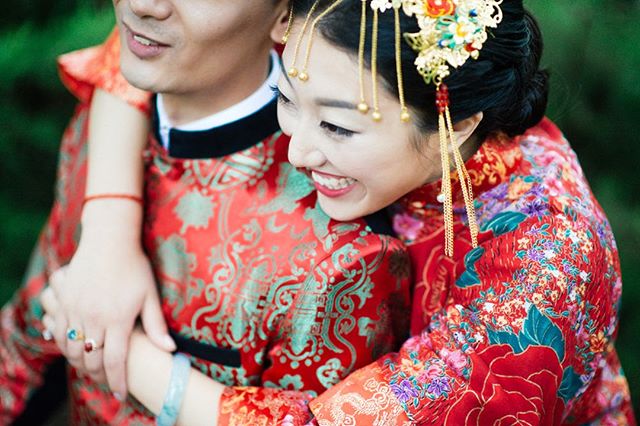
[591, 51]
[35, 110]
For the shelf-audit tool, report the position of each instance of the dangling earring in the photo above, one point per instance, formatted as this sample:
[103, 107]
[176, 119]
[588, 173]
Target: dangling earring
[445, 197]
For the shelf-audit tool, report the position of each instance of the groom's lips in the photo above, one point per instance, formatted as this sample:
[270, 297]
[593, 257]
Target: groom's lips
[143, 46]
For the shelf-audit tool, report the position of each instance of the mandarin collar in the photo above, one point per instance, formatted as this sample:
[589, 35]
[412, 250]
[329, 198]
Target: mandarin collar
[494, 162]
[222, 140]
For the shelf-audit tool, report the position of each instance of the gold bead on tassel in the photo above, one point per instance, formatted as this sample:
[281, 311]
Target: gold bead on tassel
[405, 117]
[293, 71]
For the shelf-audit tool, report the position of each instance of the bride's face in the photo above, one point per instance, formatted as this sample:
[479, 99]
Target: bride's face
[358, 166]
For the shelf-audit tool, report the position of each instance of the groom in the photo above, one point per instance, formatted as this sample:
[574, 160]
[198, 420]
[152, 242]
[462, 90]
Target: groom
[211, 62]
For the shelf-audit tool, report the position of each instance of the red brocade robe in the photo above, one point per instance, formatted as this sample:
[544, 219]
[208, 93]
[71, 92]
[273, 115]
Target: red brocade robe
[258, 285]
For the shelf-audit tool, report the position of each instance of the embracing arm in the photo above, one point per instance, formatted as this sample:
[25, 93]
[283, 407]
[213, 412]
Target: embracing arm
[109, 258]
[149, 372]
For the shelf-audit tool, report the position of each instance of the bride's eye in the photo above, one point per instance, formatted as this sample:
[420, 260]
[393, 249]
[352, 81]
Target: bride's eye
[336, 130]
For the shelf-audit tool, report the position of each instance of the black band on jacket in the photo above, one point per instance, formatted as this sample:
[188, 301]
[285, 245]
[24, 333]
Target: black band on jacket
[222, 356]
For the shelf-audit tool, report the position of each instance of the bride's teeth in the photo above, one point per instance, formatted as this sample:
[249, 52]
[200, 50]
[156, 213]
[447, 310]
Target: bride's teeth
[332, 183]
[143, 40]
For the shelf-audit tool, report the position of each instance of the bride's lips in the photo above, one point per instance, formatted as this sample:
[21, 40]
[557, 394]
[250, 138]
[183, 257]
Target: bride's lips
[143, 46]
[331, 185]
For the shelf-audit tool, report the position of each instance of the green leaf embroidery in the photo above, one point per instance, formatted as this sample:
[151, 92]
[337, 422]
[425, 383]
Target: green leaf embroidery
[505, 337]
[536, 330]
[470, 276]
[503, 223]
[570, 385]
[539, 330]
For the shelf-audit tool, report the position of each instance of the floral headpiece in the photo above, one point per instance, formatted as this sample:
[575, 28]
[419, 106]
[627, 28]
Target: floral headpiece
[451, 32]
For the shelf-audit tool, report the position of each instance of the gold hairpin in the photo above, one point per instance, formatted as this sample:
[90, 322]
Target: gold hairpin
[405, 117]
[376, 115]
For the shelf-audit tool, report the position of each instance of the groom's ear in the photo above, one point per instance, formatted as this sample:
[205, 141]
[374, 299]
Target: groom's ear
[280, 27]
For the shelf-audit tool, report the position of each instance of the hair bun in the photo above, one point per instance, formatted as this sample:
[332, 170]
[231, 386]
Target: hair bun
[530, 104]
[531, 108]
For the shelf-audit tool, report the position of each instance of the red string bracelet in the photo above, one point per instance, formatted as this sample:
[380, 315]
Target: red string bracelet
[135, 198]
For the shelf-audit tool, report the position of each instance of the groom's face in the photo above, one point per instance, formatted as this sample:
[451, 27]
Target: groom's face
[183, 46]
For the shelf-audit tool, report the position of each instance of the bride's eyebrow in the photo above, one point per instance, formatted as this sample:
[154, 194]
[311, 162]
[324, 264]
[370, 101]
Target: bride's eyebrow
[335, 103]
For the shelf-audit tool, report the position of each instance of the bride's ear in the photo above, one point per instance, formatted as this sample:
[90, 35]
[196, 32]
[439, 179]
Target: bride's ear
[464, 129]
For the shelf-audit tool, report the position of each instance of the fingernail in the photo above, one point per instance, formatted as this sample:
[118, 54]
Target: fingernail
[169, 343]
[118, 396]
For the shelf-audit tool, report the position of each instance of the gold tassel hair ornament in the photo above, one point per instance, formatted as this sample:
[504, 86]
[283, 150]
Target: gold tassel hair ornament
[287, 33]
[293, 71]
[304, 76]
[450, 33]
[445, 197]
[374, 67]
[363, 107]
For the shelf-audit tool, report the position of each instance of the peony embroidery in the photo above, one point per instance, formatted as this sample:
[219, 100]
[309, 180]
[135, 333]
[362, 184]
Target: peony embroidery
[509, 388]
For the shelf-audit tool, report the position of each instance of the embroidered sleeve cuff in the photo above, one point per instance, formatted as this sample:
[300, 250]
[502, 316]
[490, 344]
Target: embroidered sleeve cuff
[264, 406]
[365, 397]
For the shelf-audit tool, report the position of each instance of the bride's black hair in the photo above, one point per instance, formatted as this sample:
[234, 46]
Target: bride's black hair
[505, 82]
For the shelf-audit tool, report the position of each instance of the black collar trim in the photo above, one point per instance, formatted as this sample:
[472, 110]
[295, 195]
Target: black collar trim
[223, 140]
[380, 223]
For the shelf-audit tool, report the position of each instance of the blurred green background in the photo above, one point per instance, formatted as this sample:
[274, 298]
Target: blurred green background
[592, 50]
